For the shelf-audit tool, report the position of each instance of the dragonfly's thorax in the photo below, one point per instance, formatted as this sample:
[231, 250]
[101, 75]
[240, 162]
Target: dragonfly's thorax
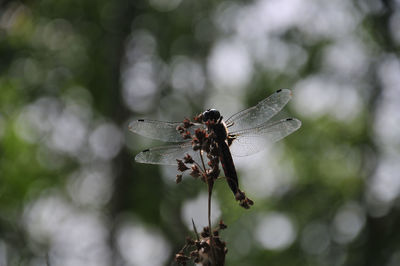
[220, 131]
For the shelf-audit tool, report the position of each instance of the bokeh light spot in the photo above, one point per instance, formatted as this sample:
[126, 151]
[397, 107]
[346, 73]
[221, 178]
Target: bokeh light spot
[106, 141]
[229, 65]
[196, 209]
[275, 231]
[139, 245]
[348, 222]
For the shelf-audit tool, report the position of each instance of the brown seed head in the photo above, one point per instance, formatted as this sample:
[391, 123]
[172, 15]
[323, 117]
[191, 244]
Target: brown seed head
[201, 134]
[186, 135]
[198, 118]
[181, 166]
[195, 171]
[221, 225]
[181, 258]
[206, 232]
[187, 123]
[188, 159]
[180, 129]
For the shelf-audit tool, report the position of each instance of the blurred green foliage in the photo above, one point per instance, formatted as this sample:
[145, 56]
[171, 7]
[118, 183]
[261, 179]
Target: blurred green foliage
[74, 73]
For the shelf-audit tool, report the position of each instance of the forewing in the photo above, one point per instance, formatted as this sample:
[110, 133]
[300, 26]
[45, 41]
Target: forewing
[160, 130]
[260, 113]
[167, 155]
[253, 140]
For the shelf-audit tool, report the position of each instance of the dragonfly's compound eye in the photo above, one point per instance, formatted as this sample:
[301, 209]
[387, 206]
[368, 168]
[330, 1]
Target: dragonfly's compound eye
[211, 114]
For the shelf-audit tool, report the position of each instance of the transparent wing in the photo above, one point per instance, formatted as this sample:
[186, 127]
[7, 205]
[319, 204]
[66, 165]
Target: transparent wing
[167, 154]
[164, 131]
[253, 140]
[260, 113]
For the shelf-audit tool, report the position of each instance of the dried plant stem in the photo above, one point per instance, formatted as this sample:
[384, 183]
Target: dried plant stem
[210, 184]
[209, 189]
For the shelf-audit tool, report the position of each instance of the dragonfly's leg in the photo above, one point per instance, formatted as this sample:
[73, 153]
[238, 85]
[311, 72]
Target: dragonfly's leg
[230, 139]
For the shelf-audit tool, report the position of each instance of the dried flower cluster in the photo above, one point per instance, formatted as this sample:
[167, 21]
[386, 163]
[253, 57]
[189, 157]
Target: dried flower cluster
[202, 142]
[204, 250]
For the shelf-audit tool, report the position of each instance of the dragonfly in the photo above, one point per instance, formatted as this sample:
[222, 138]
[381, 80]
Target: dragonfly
[244, 133]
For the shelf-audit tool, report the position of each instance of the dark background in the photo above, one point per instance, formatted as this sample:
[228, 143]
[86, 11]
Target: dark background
[74, 73]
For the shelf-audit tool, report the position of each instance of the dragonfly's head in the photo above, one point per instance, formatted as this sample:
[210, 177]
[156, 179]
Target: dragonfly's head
[211, 115]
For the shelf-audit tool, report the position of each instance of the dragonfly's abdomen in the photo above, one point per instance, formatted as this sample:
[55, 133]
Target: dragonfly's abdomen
[228, 166]
[225, 157]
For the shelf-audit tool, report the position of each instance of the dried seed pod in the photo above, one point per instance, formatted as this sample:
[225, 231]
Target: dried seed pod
[178, 179]
[181, 166]
[188, 159]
